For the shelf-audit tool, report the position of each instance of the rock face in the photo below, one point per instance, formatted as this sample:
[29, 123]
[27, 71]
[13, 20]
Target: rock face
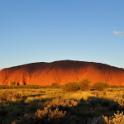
[62, 72]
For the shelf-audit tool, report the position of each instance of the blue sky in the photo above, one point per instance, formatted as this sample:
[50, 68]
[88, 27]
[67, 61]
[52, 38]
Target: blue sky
[48, 30]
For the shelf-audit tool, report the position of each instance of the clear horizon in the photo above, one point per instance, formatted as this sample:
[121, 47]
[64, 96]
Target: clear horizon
[36, 31]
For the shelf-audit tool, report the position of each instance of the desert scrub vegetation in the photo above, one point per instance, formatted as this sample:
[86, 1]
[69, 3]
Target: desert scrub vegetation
[117, 118]
[58, 106]
[15, 86]
[85, 85]
[75, 86]
[71, 87]
[100, 86]
[55, 85]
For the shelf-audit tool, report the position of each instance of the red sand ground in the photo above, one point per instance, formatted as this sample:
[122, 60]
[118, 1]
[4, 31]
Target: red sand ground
[62, 72]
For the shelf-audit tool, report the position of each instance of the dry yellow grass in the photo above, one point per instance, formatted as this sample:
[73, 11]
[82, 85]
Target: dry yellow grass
[49, 102]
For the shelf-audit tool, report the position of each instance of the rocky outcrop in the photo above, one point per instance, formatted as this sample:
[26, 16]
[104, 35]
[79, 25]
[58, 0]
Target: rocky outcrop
[62, 72]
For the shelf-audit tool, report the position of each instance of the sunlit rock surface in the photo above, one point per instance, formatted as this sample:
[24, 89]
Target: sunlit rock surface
[62, 72]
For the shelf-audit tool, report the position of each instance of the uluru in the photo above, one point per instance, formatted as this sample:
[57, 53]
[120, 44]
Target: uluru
[62, 72]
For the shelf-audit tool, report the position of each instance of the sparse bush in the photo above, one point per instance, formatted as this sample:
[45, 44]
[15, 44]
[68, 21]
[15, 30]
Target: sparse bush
[56, 114]
[41, 114]
[9, 96]
[71, 87]
[100, 86]
[53, 116]
[118, 118]
[84, 85]
[56, 103]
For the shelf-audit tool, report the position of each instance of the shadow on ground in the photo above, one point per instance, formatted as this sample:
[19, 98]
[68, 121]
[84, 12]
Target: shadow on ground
[58, 111]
